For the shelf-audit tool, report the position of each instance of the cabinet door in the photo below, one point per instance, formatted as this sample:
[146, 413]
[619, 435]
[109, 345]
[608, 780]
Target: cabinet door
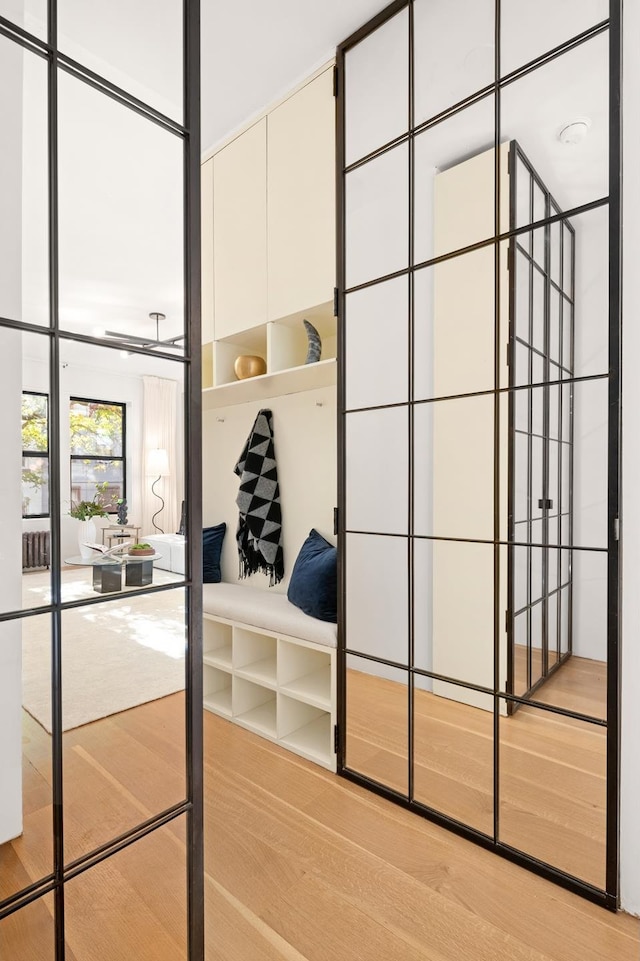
[240, 232]
[301, 199]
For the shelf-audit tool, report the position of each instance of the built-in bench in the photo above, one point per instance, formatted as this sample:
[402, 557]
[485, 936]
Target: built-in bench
[270, 668]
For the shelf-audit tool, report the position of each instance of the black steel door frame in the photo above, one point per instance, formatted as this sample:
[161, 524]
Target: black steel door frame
[608, 896]
[544, 495]
[191, 807]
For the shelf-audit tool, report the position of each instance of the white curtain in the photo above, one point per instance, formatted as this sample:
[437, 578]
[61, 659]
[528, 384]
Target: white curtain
[159, 430]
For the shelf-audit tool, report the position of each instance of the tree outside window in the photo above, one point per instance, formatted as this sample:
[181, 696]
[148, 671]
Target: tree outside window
[35, 454]
[98, 442]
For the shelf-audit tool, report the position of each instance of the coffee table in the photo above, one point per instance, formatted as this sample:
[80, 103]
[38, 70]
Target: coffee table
[107, 571]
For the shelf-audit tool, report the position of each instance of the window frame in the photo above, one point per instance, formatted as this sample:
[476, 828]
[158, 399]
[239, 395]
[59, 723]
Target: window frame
[41, 454]
[100, 457]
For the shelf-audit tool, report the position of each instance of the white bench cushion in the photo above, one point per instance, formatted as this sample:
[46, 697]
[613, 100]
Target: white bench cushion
[266, 610]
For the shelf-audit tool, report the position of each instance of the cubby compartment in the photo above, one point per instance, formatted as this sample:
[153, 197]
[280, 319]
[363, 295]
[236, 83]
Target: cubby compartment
[226, 351]
[255, 657]
[254, 707]
[217, 690]
[304, 673]
[304, 729]
[216, 643]
[287, 341]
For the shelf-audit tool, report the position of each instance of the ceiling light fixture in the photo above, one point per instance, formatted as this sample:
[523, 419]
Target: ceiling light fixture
[573, 133]
[151, 343]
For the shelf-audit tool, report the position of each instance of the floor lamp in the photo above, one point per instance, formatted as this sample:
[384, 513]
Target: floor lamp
[157, 463]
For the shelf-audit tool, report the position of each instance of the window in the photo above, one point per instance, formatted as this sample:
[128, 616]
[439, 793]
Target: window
[35, 454]
[98, 443]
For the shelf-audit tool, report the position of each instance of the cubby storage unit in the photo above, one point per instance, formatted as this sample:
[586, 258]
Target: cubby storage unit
[282, 688]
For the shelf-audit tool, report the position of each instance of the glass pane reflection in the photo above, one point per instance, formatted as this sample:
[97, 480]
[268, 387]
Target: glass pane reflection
[121, 220]
[453, 754]
[26, 856]
[24, 198]
[377, 722]
[553, 791]
[146, 884]
[123, 672]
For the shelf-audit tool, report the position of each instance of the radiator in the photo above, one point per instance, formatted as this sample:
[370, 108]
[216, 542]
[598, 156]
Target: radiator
[35, 549]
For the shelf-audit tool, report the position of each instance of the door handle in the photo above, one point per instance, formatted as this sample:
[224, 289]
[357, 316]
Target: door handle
[545, 504]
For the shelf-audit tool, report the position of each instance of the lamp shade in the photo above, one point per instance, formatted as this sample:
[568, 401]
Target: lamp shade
[158, 462]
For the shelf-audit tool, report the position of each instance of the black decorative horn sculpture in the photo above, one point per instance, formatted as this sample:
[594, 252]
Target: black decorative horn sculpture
[315, 344]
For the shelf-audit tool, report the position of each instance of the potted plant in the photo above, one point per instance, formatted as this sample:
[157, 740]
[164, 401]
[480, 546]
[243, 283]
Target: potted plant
[85, 511]
[141, 550]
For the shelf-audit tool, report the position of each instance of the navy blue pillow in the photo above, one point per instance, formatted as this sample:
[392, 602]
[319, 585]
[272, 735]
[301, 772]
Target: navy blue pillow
[314, 582]
[212, 538]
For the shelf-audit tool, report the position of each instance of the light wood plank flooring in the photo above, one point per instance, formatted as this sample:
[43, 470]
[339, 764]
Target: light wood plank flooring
[552, 768]
[300, 865]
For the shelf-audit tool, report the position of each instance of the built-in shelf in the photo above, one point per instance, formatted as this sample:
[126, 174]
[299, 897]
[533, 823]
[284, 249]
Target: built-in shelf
[262, 672]
[261, 719]
[282, 688]
[220, 702]
[312, 740]
[313, 688]
[290, 381]
[220, 657]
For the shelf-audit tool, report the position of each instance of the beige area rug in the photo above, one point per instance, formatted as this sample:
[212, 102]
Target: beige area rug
[115, 655]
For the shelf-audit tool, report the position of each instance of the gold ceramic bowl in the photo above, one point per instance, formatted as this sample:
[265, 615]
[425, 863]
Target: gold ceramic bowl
[247, 365]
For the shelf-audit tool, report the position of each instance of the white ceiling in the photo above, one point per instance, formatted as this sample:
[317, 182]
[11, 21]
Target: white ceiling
[254, 52]
[120, 236]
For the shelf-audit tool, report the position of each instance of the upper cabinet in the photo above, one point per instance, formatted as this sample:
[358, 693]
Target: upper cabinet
[268, 235]
[301, 199]
[240, 232]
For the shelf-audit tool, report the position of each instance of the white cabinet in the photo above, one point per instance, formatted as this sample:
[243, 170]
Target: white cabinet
[240, 232]
[301, 199]
[268, 239]
[282, 688]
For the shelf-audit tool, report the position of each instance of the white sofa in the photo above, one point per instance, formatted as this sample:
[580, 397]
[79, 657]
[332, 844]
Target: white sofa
[171, 547]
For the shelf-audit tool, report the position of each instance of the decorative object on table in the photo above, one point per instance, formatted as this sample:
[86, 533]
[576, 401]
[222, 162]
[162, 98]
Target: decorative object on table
[315, 344]
[140, 550]
[314, 580]
[259, 534]
[182, 530]
[122, 511]
[157, 463]
[212, 538]
[249, 365]
[85, 511]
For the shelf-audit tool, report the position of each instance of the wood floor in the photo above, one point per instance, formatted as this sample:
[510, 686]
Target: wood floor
[552, 769]
[300, 865]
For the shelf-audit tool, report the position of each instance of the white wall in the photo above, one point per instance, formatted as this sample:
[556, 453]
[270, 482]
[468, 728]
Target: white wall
[630, 778]
[305, 449]
[10, 588]
[10, 442]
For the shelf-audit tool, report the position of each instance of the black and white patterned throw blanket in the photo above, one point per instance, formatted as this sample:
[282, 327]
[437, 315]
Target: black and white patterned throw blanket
[259, 533]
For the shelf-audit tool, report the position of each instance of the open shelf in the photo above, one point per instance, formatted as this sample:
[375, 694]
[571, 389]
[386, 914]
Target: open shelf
[261, 719]
[262, 672]
[312, 740]
[314, 688]
[291, 381]
[217, 688]
[219, 657]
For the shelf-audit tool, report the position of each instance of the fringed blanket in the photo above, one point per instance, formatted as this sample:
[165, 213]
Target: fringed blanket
[259, 533]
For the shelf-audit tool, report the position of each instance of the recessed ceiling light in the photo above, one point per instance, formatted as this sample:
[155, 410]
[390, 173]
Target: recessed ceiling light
[574, 132]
